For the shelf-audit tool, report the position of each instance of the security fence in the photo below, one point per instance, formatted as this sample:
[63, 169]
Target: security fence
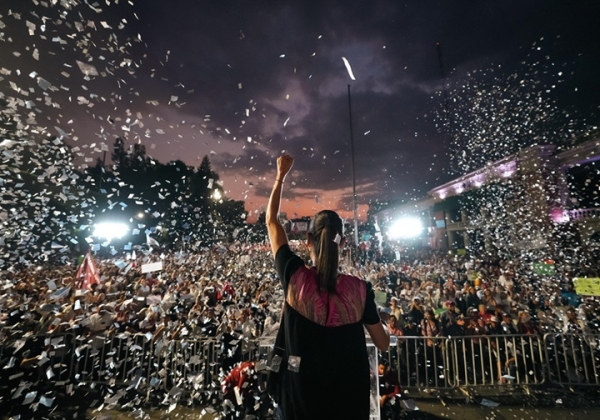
[573, 359]
[452, 362]
[195, 367]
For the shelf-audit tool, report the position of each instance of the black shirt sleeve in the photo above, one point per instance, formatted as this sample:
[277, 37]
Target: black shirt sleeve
[370, 315]
[286, 263]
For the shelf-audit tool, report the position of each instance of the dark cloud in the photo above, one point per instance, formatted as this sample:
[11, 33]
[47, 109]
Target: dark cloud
[243, 81]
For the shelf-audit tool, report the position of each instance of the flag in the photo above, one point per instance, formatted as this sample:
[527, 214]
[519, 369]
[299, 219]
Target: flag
[544, 268]
[87, 274]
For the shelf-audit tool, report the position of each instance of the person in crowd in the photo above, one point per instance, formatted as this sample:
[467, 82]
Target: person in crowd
[461, 303]
[323, 317]
[407, 291]
[525, 324]
[431, 297]
[451, 321]
[430, 327]
[239, 389]
[416, 311]
[573, 298]
[507, 325]
[395, 327]
[472, 299]
[389, 391]
[488, 299]
[573, 323]
[483, 313]
[396, 308]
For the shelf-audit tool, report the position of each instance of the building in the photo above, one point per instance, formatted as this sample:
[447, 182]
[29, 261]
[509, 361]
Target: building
[519, 204]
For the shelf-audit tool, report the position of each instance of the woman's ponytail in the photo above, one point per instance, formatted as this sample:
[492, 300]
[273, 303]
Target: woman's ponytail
[326, 230]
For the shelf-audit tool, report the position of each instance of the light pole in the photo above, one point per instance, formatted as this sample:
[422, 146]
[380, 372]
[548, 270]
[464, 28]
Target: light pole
[354, 206]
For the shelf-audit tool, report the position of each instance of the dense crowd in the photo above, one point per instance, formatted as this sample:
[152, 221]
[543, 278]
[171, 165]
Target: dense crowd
[201, 295]
[471, 297]
[234, 288]
[231, 293]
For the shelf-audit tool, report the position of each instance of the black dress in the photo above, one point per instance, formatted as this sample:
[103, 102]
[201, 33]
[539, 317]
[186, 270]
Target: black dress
[324, 371]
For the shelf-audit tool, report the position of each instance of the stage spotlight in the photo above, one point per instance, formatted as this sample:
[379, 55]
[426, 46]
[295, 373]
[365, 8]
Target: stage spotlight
[110, 231]
[405, 229]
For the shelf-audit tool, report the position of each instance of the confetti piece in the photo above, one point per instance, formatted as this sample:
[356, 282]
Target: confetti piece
[348, 68]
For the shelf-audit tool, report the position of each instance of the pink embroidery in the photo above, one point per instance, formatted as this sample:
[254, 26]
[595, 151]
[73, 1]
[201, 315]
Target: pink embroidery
[345, 307]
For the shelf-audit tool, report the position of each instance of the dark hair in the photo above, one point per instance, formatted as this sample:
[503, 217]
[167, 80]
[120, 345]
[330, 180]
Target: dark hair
[324, 228]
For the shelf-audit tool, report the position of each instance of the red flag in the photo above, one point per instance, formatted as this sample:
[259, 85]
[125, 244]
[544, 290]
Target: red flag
[87, 274]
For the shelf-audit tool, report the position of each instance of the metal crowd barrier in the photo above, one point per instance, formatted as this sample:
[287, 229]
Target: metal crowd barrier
[191, 366]
[467, 361]
[121, 359]
[496, 360]
[421, 362]
[196, 366]
[476, 361]
[573, 359]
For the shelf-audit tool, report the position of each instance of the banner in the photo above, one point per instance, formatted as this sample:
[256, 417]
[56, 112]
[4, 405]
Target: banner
[544, 268]
[587, 286]
[299, 227]
[149, 268]
[380, 297]
[87, 274]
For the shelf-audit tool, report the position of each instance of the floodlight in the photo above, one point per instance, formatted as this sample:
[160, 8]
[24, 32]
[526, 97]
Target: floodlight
[217, 195]
[109, 231]
[405, 228]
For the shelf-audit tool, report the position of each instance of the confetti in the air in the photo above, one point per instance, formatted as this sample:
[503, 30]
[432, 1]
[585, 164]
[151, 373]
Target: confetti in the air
[347, 64]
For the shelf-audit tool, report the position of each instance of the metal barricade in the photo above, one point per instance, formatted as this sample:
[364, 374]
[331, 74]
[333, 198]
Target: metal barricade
[573, 359]
[114, 360]
[495, 360]
[422, 362]
[41, 359]
[196, 366]
[191, 366]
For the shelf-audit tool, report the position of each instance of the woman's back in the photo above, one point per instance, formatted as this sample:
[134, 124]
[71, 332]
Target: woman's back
[325, 365]
[321, 348]
[344, 307]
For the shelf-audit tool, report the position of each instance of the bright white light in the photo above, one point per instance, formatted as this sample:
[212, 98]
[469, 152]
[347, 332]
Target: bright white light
[110, 231]
[217, 195]
[405, 228]
[140, 215]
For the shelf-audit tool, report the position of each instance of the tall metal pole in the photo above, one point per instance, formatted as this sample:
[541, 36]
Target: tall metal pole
[355, 207]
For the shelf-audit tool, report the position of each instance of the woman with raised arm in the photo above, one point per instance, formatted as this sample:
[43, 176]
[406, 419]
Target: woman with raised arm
[320, 369]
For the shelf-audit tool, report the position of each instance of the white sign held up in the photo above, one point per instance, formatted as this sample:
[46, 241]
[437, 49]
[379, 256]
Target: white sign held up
[149, 268]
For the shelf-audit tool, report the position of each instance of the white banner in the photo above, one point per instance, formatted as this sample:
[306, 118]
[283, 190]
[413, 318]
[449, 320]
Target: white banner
[149, 268]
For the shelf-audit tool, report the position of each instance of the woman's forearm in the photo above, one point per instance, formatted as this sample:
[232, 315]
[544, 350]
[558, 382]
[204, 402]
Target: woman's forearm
[274, 202]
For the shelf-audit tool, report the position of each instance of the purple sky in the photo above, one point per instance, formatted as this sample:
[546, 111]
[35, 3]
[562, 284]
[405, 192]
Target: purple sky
[243, 81]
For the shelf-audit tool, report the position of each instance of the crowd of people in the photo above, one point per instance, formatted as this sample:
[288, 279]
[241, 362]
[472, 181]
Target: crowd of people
[231, 293]
[453, 297]
[235, 288]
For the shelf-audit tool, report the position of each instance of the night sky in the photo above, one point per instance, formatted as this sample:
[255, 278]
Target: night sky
[244, 81]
